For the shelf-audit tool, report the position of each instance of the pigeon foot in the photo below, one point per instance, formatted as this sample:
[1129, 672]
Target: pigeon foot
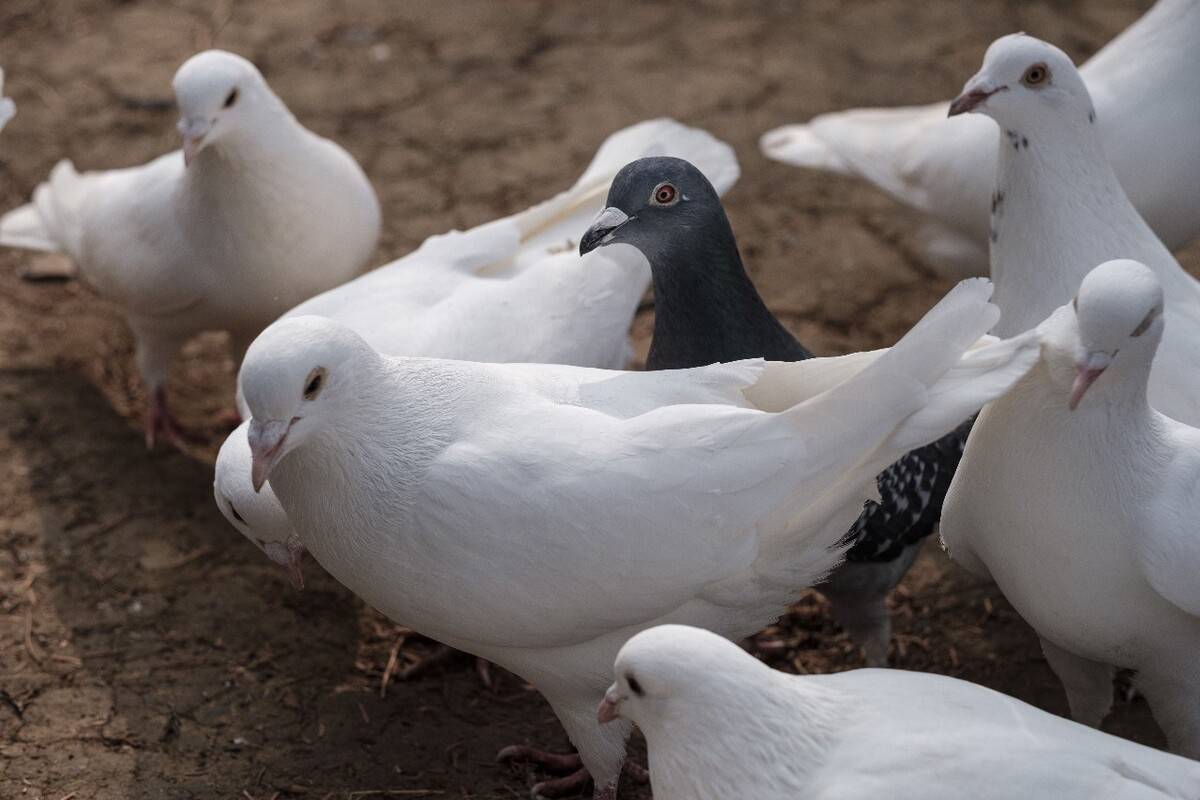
[577, 778]
[161, 424]
[443, 656]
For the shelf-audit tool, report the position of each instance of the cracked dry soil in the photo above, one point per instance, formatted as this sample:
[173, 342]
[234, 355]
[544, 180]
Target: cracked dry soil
[146, 650]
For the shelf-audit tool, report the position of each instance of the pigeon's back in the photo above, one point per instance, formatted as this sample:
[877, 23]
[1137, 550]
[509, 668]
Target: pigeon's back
[986, 744]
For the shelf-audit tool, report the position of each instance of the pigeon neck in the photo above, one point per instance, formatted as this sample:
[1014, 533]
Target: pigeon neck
[707, 309]
[1057, 212]
[766, 739]
[1120, 393]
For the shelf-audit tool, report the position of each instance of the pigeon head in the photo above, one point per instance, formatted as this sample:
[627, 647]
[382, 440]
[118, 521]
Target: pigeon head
[295, 377]
[669, 670]
[1023, 82]
[256, 515]
[220, 96]
[659, 205]
[1113, 325]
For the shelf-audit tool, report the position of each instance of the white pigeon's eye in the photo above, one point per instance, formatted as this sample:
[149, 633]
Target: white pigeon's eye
[230, 98]
[664, 194]
[314, 383]
[1145, 324]
[634, 686]
[233, 510]
[1036, 75]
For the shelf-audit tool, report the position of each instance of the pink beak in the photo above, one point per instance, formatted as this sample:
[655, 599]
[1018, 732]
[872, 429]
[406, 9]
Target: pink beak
[191, 148]
[971, 100]
[192, 130]
[1084, 378]
[266, 445]
[609, 708]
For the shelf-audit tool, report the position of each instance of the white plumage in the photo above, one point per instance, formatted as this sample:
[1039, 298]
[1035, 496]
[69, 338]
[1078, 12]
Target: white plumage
[265, 215]
[512, 290]
[8, 109]
[1086, 518]
[1146, 86]
[1060, 210]
[720, 724]
[538, 515]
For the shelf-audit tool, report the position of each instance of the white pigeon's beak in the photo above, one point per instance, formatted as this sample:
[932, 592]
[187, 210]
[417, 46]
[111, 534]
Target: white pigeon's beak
[193, 130]
[288, 555]
[266, 439]
[610, 707]
[974, 95]
[1086, 372]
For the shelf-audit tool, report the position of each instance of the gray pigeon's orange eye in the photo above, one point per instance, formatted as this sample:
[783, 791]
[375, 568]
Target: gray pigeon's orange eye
[1036, 75]
[664, 194]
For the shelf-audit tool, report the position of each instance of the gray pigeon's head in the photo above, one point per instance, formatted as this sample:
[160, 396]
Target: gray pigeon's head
[671, 670]
[220, 96]
[256, 515]
[657, 205]
[1026, 84]
[298, 376]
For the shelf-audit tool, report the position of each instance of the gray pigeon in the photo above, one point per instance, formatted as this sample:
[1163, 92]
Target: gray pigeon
[707, 310]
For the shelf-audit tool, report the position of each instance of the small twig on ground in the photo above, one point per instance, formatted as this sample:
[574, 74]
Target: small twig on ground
[393, 659]
[31, 647]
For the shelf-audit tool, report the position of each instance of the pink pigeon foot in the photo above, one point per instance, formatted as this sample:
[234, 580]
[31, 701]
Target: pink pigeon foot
[160, 423]
[442, 656]
[575, 781]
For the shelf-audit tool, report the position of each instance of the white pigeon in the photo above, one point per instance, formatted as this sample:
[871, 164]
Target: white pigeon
[538, 515]
[1146, 85]
[721, 724]
[512, 290]
[1060, 210]
[1083, 508]
[255, 215]
[8, 109]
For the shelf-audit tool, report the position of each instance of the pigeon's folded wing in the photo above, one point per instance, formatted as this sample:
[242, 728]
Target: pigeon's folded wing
[944, 167]
[628, 520]
[1168, 549]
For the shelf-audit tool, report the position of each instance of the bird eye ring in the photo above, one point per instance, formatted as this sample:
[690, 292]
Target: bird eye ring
[664, 194]
[231, 98]
[1036, 75]
[314, 383]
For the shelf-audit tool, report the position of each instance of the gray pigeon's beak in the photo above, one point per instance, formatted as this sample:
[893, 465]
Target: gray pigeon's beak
[1086, 373]
[266, 446]
[610, 707]
[288, 555]
[192, 130]
[602, 230]
[972, 98]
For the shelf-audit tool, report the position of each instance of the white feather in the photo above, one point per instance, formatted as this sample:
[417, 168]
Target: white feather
[720, 724]
[1087, 518]
[440, 491]
[268, 215]
[1145, 89]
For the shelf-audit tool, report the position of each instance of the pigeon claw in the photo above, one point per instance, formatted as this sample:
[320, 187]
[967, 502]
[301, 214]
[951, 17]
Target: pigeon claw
[161, 424]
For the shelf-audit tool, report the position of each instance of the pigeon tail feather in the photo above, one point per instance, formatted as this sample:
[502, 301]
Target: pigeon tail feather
[52, 221]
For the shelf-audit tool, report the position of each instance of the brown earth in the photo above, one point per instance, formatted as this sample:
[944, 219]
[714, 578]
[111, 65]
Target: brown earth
[146, 649]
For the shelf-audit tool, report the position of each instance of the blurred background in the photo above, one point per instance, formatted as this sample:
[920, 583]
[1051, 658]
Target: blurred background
[146, 649]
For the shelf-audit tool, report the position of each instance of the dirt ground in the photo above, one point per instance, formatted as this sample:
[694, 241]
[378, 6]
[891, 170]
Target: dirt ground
[146, 649]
